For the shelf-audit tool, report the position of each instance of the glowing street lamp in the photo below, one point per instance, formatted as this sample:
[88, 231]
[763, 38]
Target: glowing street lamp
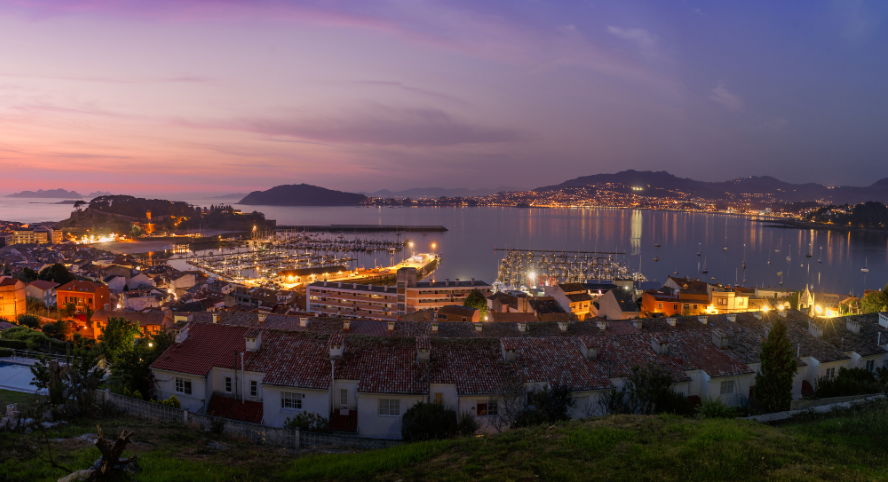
[818, 309]
[411, 248]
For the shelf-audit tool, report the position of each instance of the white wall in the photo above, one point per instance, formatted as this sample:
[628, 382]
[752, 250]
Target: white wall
[166, 387]
[313, 401]
[741, 388]
[371, 424]
[449, 397]
[352, 387]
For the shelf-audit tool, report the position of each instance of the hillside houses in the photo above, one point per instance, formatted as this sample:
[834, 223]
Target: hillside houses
[363, 374]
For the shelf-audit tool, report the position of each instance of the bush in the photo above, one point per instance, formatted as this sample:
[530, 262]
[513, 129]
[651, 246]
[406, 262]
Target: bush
[676, 404]
[854, 381]
[546, 406]
[466, 425]
[308, 422]
[14, 344]
[428, 421]
[59, 329]
[5, 352]
[30, 321]
[715, 408]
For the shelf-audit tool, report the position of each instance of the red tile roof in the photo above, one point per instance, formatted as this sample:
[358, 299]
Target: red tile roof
[207, 346]
[383, 365]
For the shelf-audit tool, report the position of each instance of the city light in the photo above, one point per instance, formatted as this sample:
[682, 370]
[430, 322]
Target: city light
[818, 309]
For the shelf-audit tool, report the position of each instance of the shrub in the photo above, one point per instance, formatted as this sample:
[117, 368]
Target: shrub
[59, 329]
[854, 381]
[30, 321]
[428, 421]
[676, 404]
[14, 344]
[309, 422]
[466, 425]
[137, 394]
[5, 352]
[715, 408]
[169, 402]
[217, 425]
[546, 406]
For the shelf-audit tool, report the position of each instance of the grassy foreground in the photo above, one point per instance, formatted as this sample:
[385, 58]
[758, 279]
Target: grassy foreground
[846, 446]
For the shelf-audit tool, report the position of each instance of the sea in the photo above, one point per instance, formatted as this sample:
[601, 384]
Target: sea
[470, 248]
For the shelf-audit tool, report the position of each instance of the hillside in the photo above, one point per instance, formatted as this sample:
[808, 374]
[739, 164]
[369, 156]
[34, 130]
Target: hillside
[302, 195]
[49, 193]
[843, 446]
[437, 192]
[780, 190]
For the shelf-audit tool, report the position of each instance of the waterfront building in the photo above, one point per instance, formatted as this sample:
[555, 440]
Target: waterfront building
[388, 302]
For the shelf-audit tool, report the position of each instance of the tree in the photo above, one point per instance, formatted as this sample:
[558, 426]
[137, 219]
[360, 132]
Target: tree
[78, 205]
[30, 321]
[73, 383]
[546, 406]
[477, 300]
[874, 302]
[427, 421]
[118, 337]
[57, 273]
[58, 330]
[132, 368]
[773, 383]
[26, 275]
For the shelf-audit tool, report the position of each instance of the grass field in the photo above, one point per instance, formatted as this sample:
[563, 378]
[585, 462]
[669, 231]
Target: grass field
[844, 446]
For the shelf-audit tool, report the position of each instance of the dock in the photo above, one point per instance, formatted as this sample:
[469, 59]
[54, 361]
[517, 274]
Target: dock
[363, 228]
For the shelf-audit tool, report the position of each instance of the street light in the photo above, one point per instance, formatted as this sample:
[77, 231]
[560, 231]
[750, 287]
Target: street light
[411, 248]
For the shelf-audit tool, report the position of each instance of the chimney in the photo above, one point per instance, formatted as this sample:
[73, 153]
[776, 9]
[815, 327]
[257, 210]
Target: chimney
[602, 325]
[781, 312]
[852, 326]
[473, 281]
[732, 317]
[423, 349]
[435, 327]
[757, 315]
[325, 282]
[447, 282]
[479, 327]
[337, 342]
[215, 317]
[340, 284]
[510, 354]
[589, 349]
[391, 326]
[562, 326]
[253, 339]
[660, 345]
[262, 317]
[522, 326]
[703, 319]
[369, 287]
[672, 321]
[354, 286]
[303, 321]
[346, 325]
[815, 330]
[182, 335]
[719, 339]
[637, 323]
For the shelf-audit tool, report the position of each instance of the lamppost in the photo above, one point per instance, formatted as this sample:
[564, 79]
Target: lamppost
[411, 249]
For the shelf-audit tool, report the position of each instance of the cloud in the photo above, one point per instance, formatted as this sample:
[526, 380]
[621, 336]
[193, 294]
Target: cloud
[721, 95]
[377, 126]
[644, 40]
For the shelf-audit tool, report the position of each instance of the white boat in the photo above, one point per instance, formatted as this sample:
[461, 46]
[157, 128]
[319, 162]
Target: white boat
[865, 268]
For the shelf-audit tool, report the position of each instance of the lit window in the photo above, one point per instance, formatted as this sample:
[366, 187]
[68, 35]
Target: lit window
[389, 406]
[291, 400]
[727, 388]
[254, 388]
[489, 408]
[183, 386]
[228, 384]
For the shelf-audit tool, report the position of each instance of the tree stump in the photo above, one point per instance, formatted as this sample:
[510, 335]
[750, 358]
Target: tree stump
[110, 462]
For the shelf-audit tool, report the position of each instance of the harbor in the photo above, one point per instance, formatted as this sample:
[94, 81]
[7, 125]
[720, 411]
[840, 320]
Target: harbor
[521, 269]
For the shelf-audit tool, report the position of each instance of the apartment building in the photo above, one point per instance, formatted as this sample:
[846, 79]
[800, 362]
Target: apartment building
[12, 298]
[383, 302]
[36, 236]
[84, 294]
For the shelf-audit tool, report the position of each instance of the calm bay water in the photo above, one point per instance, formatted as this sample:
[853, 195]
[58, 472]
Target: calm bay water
[467, 248]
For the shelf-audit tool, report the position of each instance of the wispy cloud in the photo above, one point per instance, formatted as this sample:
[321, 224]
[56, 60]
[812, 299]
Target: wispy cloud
[644, 40]
[720, 94]
[377, 126]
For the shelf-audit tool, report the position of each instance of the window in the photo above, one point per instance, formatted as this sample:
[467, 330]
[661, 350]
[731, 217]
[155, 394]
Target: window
[291, 400]
[659, 306]
[870, 365]
[183, 386]
[439, 398]
[722, 301]
[254, 388]
[727, 388]
[389, 406]
[740, 302]
[695, 307]
[830, 373]
[488, 408]
[686, 306]
[343, 397]
[675, 307]
[228, 384]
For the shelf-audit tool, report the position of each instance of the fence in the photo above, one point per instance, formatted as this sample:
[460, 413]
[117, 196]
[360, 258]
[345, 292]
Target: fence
[235, 429]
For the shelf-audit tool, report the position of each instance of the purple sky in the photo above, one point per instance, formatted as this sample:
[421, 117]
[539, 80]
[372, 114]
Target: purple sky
[233, 96]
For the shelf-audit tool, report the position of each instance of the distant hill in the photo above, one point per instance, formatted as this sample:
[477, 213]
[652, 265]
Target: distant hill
[302, 195]
[51, 193]
[96, 194]
[436, 192]
[235, 195]
[662, 182]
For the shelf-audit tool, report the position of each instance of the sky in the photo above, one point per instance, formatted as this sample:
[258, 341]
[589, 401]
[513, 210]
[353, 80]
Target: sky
[234, 96]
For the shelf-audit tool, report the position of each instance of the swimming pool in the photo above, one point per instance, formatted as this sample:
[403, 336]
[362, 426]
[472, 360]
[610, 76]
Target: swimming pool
[15, 376]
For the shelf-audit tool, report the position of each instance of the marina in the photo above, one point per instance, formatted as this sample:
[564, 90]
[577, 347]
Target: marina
[521, 268]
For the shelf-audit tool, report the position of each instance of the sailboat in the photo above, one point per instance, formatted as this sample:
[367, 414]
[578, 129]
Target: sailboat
[743, 265]
[704, 270]
[820, 258]
[726, 236]
[769, 258]
[789, 257]
[778, 246]
[865, 268]
[698, 248]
